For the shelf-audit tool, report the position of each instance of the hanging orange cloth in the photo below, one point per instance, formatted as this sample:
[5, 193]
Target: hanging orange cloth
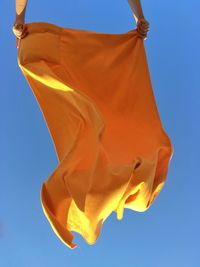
[95, 94]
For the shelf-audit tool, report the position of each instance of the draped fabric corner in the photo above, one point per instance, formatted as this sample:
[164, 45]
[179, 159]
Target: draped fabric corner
[95, 94]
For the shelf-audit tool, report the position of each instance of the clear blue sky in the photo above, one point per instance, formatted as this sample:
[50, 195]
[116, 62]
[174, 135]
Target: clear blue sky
[168, 234]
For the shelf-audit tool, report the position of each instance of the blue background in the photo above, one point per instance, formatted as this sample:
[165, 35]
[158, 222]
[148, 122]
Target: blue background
[165, 235]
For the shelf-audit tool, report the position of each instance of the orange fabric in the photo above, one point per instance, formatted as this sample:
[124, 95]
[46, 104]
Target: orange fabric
[95, 93]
